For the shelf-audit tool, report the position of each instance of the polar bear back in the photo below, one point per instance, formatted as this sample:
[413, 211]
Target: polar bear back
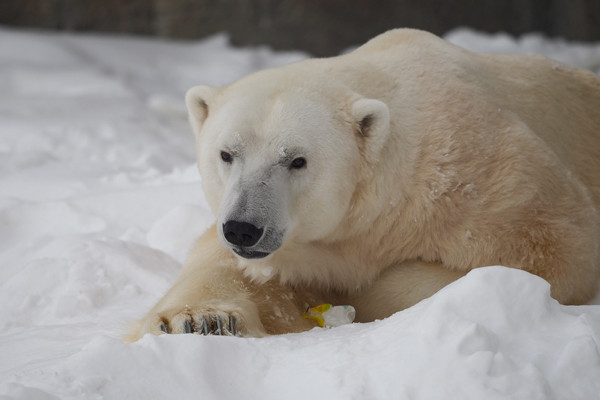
[558, 103]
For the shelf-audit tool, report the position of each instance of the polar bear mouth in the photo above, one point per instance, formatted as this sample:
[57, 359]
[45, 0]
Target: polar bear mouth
[250, 254]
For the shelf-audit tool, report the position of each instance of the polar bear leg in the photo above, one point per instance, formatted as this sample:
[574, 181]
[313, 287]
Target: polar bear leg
[400, 287]
[212, 296]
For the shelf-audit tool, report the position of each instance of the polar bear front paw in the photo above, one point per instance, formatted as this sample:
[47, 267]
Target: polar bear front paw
[223, 318]
[199, 321]
[202, 320]
[208, 323]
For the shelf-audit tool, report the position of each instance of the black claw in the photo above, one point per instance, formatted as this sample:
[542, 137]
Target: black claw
[218, 331]
[232, 322]
[204, 326]
[163, 328]
[187, 326]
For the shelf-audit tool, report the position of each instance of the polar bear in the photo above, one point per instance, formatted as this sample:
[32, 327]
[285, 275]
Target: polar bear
[377, 177]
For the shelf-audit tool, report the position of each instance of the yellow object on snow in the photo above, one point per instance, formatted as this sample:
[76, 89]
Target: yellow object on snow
[328, 316]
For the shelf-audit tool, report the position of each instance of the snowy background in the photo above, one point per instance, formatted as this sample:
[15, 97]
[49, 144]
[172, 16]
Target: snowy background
[100, 201]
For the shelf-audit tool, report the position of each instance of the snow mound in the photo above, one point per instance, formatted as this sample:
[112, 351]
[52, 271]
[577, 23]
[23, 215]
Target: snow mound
[494, 334]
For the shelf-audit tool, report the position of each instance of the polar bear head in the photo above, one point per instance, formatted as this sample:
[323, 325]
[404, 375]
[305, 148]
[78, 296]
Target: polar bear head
[281, 154]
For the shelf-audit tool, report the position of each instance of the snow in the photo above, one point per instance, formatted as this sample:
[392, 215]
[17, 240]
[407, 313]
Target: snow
[100, 201]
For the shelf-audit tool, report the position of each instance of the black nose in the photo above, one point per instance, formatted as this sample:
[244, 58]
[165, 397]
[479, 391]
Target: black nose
[241, 233]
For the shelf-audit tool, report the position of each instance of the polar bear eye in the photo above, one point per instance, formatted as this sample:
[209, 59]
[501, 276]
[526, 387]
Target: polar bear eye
[298, 163]
[226, 157]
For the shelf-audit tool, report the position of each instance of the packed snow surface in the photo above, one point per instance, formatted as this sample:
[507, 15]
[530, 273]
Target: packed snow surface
[100, 200]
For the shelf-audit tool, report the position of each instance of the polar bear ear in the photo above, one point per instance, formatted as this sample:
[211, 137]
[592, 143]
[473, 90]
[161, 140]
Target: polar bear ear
[372, 122]
[197, 100]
